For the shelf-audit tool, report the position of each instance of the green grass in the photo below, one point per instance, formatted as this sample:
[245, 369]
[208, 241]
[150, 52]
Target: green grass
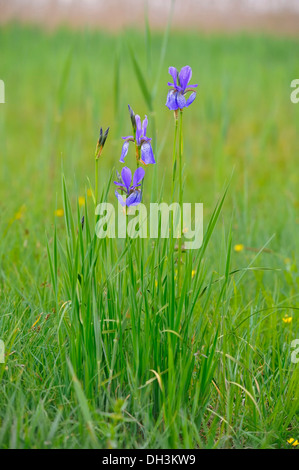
[122, 354]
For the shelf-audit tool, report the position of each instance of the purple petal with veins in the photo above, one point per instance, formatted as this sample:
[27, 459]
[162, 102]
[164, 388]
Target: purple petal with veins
[138, 176]
[185, 76]
[124, 151]
[144, 126]
[191, 99]
[121, 185]
[138, 129]
[171, 102]
[147, 155]
[134, 199]
[174, 73]
[126, 176]
[181, 100]
[120, 198]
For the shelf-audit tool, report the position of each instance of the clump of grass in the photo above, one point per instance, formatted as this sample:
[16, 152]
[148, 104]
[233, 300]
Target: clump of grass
[129, 327]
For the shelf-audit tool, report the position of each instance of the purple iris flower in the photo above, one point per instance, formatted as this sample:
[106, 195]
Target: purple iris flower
[132, 191]
[142, 142]
[176, 96]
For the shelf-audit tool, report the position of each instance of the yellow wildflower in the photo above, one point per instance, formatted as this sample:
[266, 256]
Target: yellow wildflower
[59, 212]
[239, 247]
[81, 201]
[193, 273]
[287, 319]
[293, 442]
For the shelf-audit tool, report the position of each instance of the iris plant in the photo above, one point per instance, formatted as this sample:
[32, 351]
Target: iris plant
[132, 191]
[144, 151]
[176, 100]
[176, 96]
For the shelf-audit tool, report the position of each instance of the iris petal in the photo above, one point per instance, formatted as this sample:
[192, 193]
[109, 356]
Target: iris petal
[171, 100]
[124, 151]
[147, 155]
[138, 128]
[185, 76]
[120, 199]
[134, 199]
[174, 73]
[191, 99]
[138, 176]
[129, 137]
[119, 184]
[126, 176]
[181, 100]
[144, 126]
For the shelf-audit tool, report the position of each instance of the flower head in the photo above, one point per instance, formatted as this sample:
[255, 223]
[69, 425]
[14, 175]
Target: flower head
[59, 212]
[176, 96]
[81, 201]
[101, 142]
[239, 247]
[293, 442]
[132, 191]
[145, 151]
[132, 117]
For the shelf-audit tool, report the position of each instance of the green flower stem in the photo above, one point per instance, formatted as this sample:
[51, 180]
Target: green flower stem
[180, 194]
[96, 181]
[174, 162]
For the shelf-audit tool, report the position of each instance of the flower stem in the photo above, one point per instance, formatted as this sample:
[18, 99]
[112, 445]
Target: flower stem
[96, 181]
[180, 195]
[174, 162]
[137, 155]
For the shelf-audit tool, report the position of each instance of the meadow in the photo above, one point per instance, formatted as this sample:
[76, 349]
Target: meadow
[126, 343]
